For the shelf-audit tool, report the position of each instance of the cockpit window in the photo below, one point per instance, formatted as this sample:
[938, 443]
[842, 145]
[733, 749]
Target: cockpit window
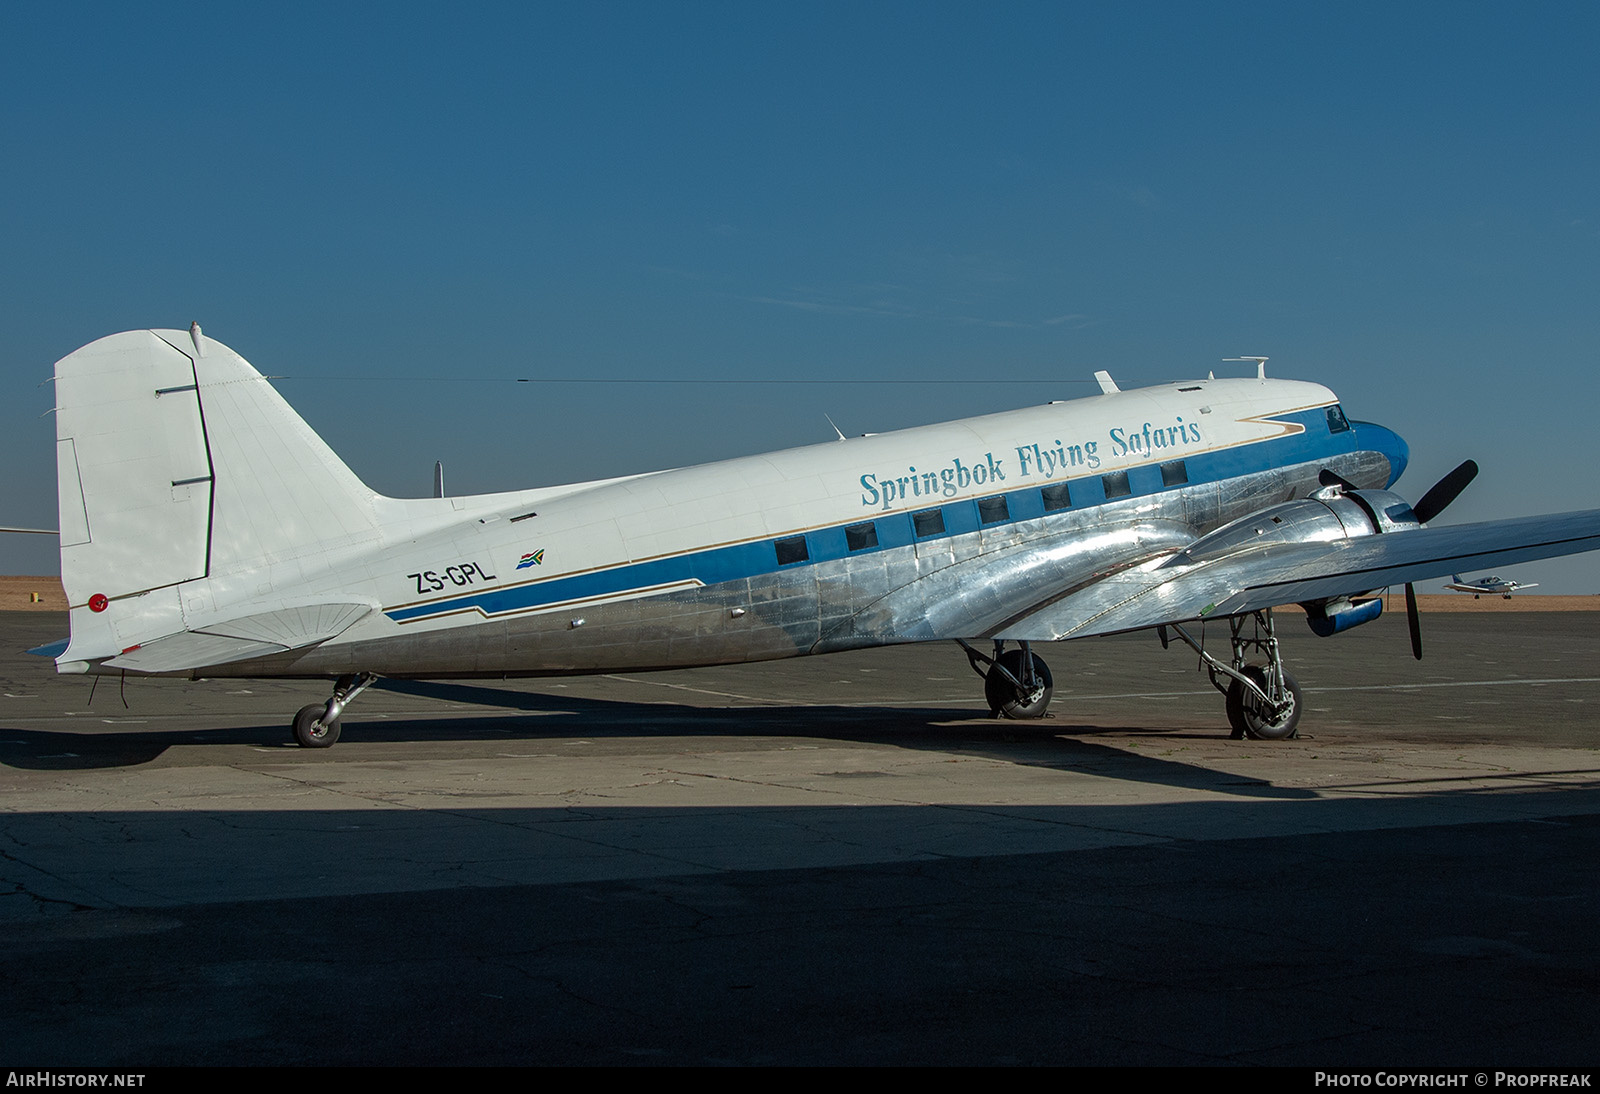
[1337, 422]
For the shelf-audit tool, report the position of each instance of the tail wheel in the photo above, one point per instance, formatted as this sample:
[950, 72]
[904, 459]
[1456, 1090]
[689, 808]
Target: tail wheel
[1250, 717]
[310, 731]
[1006, 700]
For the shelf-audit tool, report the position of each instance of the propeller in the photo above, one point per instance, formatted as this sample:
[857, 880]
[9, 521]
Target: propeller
[1432, 504]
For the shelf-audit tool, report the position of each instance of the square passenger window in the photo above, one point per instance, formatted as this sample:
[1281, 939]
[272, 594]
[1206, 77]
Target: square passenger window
[858, 537]
[1174, 473]
[929, 522]
[792, 549]
[993, 510]
[1056, 496]
[1116, 484]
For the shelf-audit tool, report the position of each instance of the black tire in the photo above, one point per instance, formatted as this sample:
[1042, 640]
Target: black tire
[1004, 702]
[309, 729]
[1246, 713]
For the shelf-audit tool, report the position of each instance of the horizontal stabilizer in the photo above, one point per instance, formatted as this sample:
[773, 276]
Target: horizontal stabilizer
[247, 636]
[179, 652]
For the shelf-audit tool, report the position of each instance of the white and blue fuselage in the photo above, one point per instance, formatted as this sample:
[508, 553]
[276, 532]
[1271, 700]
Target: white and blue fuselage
[237, 543]
[868, 540]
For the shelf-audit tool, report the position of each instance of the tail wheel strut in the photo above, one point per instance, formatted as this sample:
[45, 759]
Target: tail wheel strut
[316, 725]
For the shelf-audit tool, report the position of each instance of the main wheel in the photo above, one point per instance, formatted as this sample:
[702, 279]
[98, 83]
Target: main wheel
[1250, 717]
[1004, 699]
[311, 731]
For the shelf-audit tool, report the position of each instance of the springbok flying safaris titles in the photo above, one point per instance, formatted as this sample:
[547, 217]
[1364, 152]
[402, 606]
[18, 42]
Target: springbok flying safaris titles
[1032, 461]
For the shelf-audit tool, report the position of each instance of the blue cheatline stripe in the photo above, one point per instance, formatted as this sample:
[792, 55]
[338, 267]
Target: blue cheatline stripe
[714, 565]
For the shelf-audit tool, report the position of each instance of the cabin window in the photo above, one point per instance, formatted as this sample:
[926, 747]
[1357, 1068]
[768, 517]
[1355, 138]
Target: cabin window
[1337, 422]
[1174, 473]
[791, 549]
[1116, 485]
[993, 510]
[1056, 496]
[858, 537]
[929, 522]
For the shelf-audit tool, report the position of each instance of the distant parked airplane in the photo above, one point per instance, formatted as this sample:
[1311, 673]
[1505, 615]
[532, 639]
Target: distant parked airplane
[1491, 585]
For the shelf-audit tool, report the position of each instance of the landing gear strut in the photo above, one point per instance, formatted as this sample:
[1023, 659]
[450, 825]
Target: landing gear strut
[317, 724]
[1016, 683]
[1263, 701]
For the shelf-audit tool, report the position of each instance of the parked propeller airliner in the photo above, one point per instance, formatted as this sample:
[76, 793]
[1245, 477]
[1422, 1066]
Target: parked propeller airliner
[206, 531]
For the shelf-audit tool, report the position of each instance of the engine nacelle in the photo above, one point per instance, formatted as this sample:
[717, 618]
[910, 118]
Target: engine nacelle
[1327, 516]
[1328, 618]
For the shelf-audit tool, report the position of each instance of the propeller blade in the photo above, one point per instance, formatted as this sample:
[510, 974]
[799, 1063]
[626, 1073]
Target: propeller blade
[1333, 478]
[1414, 622]
[1444, 491]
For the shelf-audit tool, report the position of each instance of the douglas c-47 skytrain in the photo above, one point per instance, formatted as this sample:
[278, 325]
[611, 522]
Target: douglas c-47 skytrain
[206, 531]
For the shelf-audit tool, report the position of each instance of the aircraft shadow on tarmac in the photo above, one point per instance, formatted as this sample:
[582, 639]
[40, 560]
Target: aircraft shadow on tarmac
[1046, 744]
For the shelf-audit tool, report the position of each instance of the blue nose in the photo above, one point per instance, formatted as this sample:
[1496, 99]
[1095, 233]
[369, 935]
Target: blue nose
[1387, 443]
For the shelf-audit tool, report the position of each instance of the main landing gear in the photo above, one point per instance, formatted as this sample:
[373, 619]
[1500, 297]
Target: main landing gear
[1263, 701]
[1262, 698]
[1017, 682]
[317, 724]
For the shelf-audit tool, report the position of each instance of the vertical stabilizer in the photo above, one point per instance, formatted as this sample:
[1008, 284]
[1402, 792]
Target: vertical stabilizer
[184, 477]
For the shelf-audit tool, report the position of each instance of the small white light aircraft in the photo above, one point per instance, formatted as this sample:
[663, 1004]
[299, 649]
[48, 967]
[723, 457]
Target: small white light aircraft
[1491, 585]
[206, 531]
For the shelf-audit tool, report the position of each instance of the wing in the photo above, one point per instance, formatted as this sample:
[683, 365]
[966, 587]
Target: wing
[1184, 586]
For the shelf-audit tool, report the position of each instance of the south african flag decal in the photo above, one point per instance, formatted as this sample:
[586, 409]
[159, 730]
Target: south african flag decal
[533, 558]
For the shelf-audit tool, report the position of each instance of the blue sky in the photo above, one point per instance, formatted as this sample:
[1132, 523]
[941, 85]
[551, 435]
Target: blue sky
[401, 208]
